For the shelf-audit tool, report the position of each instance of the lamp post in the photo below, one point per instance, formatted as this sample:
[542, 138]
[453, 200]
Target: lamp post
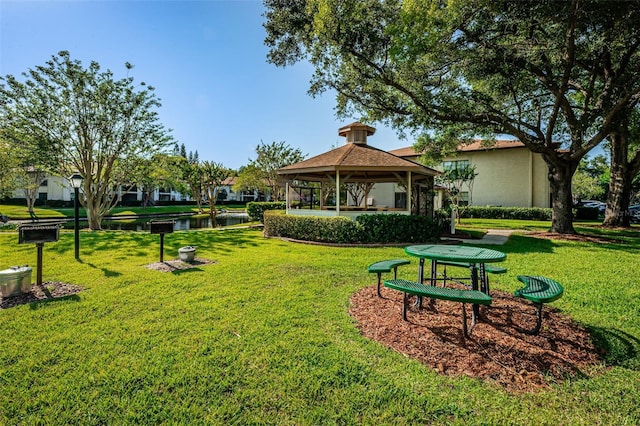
[76, 181]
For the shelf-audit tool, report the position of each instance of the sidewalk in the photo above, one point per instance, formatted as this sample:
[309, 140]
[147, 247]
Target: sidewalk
[492, 237]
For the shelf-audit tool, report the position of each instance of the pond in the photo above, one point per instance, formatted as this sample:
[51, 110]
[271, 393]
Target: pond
[181, 223]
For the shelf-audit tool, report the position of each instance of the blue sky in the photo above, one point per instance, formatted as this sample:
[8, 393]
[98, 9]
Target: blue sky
[206, 59]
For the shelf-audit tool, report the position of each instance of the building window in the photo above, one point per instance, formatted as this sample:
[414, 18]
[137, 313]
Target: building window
[44, 183]
[455, 165]
[463, 198]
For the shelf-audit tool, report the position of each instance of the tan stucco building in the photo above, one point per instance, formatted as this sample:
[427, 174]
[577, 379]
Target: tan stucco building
[508, 173]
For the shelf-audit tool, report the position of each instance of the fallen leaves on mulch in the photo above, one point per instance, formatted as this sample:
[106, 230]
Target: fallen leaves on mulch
[179, 265]
[49, 290]
[497, 350]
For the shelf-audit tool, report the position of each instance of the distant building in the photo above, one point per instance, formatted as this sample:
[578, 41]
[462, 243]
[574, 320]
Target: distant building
[58, 189]
[508, 173]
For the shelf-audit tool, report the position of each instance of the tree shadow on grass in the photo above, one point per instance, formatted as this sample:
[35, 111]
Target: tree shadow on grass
[619, 348]
[105, 271]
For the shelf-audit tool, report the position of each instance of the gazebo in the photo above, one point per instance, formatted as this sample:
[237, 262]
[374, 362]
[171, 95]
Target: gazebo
[339, 182]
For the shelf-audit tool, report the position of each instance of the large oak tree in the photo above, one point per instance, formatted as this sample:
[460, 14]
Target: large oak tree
[559, 76]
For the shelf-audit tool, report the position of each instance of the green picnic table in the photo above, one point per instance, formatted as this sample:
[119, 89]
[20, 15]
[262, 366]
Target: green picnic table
[475, 257]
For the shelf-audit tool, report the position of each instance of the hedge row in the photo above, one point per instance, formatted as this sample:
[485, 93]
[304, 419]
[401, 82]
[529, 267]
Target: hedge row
[518, 213]
[256, 209]
[366, 229]
[524, 213]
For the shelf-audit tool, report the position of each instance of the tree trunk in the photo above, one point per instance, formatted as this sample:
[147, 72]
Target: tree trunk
[623, 172]
[619, 184]
[147, 194]
[213, 214]
[94, 220]
[92, 207]
[30, 203]
[560, 175]
[31, 187]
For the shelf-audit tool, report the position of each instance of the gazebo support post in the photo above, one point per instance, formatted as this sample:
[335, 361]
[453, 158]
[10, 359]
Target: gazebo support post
[409, 191]
[338, 192]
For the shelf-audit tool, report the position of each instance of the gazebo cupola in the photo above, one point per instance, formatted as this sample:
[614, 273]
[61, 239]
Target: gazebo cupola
[356, 132]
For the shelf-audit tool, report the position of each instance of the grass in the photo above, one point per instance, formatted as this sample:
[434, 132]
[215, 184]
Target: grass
[263, 336]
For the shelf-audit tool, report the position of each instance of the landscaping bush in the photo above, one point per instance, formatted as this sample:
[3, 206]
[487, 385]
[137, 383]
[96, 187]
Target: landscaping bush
[311, 228]
[517, 213]
[366, 229]
[398, 228]
[256, 210]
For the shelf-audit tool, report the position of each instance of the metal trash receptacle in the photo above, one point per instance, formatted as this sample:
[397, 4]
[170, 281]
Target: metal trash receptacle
[187, 254]
[15, 280]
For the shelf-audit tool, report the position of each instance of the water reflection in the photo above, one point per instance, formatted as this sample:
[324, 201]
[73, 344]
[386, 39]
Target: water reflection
[181, 223]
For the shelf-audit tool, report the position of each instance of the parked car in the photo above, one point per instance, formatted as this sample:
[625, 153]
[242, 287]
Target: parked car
[634, 213]
[593, 204]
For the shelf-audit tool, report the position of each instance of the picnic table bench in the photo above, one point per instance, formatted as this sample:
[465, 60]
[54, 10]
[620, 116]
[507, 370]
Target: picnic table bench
[539, 290]
[454, 295]
[386, 266]
[484, 280]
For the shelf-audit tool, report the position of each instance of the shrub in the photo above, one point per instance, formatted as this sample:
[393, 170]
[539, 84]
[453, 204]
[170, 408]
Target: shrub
[256, 210]
[377, 228]
[398, 228]
[518, 213]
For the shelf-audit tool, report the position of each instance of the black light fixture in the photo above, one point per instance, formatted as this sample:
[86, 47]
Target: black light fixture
[76, 182]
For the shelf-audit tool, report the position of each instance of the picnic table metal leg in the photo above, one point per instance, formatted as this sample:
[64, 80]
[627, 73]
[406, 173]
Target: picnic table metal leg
[538, 326]
[420, 280]
[434, 277]
[484, 280]
[467, 331]
[379, 280]
[464, 321]
[474, 286]
[434, 271]
[405, 303]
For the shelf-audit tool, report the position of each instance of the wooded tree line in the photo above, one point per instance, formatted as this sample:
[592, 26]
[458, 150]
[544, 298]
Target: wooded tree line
[562, 77]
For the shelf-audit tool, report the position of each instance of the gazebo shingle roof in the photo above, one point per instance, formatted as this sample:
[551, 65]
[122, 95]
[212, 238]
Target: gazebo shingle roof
[356, 158]
[359, 161]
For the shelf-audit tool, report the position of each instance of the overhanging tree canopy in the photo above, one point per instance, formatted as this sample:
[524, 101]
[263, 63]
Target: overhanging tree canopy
[556, 75]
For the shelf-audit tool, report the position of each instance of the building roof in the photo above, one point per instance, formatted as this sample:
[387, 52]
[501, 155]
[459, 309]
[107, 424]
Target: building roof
[230, 181]
[476, 145]
[363, 161]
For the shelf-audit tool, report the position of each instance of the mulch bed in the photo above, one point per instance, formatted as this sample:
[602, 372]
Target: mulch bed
[49, 290]
[497, 351]
[179, 265]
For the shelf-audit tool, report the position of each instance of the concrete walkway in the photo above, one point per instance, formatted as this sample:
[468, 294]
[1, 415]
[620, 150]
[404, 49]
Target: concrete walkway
[492, 237]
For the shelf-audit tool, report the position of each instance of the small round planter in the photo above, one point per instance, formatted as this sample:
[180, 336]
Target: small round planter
[187, 254]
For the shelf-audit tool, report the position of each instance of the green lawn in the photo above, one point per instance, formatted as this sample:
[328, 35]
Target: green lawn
[263, 336]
